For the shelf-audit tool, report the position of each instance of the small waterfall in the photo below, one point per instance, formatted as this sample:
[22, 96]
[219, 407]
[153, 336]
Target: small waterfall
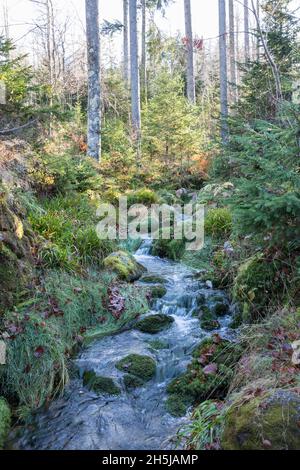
[145, 247]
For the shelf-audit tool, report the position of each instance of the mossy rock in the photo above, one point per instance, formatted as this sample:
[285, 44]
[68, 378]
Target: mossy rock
[208, 320]
[100, 384]
[5, 421]
[154, 323]
[210, 324]
[143, 367]
[219, 351]
[200, 300]
[16, 270]
[177, 405]
[208, 376]
[152, 279]
[132, 381]
[124, 265]
[268, 422]
[220, 309]
[254, 285]
[157, 292]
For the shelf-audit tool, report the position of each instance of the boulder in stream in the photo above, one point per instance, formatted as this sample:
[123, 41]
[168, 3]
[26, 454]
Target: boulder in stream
[153, 324]
[142, 367]
[100, 384]
[153, 279]
[157, 292]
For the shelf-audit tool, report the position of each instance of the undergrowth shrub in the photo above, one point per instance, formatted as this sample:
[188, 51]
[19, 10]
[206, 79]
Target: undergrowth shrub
[218, 223]
[59, 174]
[69, 224]
[142, 196]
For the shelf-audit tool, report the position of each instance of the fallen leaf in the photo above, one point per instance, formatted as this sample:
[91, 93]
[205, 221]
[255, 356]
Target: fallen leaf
[39, 351]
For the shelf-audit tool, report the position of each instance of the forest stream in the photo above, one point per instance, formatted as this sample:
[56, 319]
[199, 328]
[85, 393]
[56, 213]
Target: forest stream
[135, 420]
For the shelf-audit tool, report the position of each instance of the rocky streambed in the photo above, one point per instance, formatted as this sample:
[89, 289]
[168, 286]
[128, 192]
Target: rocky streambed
[119, 400]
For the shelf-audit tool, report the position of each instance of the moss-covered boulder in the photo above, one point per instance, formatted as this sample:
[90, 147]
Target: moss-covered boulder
[209, 324]
[100, 384]
[221, 309]
[208, 375]
[15, 254]
[208, 318]
[267, 422]
[254, 285]
[143, 367]
[124, 265]
[153, 279]
[154, 323]
[157, 292]
[5, 421]
[132, 381]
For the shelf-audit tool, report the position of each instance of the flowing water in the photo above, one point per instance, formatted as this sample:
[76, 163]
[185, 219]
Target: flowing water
[135, 420]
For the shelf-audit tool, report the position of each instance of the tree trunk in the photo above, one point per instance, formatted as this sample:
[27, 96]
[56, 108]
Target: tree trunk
[190, 75]
[143, 61]
[94, 94]
[232, 54]
[125, 42]
[258, 24]
[223, 71]
[246, 30]
[135, 81]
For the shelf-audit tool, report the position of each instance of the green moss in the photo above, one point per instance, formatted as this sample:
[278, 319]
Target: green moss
[143, 367]
[220, 309]
[268, 422]
[152, 279]
[197, 384]
[157, 292]
[254, 284]
[177, 405]
[208, 320]
[16, 269]
[210, 324]
[124, 265]
[100, 384]
[154, 323]
[132, 381]
[5, 421]
[142, 196]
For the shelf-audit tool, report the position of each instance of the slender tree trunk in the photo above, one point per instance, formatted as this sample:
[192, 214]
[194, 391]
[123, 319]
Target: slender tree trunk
[125, 43]
[258, 23]
[135, 81]
[94, 98]
[232, 54]
[246, 30]
[273, 65]
[190, 75]
[223, 70]
[143, 61]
